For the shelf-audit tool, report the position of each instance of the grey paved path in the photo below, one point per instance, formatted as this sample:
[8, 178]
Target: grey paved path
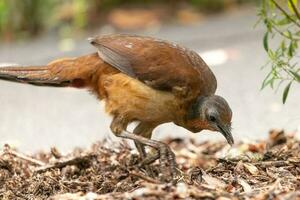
[33, 118]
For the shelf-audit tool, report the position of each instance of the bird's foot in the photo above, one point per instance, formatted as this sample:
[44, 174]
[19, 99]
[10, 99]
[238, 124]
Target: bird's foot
[168, 165]
[141, 149]
[164, 154]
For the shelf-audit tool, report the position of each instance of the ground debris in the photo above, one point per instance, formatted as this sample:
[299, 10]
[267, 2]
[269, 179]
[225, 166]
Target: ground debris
[210, 170]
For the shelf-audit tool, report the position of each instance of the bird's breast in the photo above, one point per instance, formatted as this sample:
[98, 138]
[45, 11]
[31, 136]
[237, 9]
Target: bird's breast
[136, 101]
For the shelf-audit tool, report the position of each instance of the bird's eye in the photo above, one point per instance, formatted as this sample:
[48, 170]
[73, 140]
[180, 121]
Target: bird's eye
[212, 118]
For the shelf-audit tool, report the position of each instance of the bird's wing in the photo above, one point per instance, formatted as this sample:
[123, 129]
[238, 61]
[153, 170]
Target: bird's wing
[157, 63]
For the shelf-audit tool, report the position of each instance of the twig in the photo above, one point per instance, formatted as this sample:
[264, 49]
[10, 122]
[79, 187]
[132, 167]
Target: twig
[134, 173]
[73, 161]
[24, 157]
[79, 183]
[264, 164]
[285, 13]
[284, 35]
[277, 163]
[295, 9]
[146, 178]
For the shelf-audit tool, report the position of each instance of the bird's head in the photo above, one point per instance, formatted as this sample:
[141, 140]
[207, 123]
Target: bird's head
[210, 113]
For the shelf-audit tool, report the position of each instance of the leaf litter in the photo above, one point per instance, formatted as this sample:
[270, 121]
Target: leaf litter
[268, 169]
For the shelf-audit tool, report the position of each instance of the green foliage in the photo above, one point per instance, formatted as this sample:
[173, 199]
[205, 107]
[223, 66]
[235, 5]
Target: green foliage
[286, 92]
[29, 17]
[215, 5]
[282, 22]
[24, 18]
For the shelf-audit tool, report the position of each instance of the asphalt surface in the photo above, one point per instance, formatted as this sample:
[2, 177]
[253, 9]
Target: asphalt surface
[35, 118]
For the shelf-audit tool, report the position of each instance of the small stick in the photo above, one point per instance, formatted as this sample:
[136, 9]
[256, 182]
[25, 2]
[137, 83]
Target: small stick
[146, 178]
[80, 183]
[276, 163]
[61, 164]
[24, 157]
[134, 173]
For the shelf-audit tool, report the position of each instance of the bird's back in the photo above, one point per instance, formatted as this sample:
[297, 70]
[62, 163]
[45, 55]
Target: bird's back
[158, 63]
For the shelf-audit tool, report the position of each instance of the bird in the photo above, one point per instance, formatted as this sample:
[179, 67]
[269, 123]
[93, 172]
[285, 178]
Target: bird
[141, 79]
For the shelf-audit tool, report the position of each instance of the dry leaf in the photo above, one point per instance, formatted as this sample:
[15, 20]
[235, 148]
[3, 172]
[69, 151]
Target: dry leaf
[114, 174]
[251, 168]
[212, 181]
[246, 187]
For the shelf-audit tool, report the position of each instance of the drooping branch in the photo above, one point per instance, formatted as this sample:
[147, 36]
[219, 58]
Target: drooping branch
[285, 13]
[295, 9]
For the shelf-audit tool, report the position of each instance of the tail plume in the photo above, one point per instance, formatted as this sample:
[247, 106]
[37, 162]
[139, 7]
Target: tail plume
[60, 73]
[36, 75]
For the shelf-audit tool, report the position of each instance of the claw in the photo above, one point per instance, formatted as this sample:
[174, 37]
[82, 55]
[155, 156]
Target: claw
[141, 149]
[164, 154]
[168, 166]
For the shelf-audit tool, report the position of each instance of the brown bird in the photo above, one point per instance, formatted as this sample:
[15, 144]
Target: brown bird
[141, 79]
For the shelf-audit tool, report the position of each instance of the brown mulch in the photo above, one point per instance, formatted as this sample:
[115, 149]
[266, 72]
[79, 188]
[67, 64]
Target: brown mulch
[211, 170]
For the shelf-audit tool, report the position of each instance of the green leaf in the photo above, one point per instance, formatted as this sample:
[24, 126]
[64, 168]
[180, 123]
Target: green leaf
[290, 35]
[291, 50]
[272, 55]
[268, 24]
[296, 75]
[283, 21]
[267, 81]
[290, 5]
[272, 82]
[265, 41]
[286, 92]
[295, 44]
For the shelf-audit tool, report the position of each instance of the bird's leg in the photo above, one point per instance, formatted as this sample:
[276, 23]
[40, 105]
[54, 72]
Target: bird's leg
[141, 149]
[167, 157]
[119, 124]
[144, 130]
[152, 158]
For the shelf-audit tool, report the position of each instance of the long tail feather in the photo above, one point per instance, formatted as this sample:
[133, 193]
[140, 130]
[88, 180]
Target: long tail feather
[60, 73]
[35, 75]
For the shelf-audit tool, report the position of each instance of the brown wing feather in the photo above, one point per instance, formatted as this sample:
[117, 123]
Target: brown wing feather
[157, 63]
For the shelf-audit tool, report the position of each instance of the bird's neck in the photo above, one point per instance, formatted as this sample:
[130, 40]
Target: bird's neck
[192, 112]
[194, 109]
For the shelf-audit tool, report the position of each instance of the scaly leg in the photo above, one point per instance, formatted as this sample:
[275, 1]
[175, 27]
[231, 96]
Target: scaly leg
[166, 156]
[144, 130]
[170, 156]
[141, 149]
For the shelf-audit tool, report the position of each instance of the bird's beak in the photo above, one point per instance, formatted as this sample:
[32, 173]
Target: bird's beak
[225, 130]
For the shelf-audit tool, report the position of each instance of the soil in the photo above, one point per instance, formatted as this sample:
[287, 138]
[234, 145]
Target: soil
[267, 169]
